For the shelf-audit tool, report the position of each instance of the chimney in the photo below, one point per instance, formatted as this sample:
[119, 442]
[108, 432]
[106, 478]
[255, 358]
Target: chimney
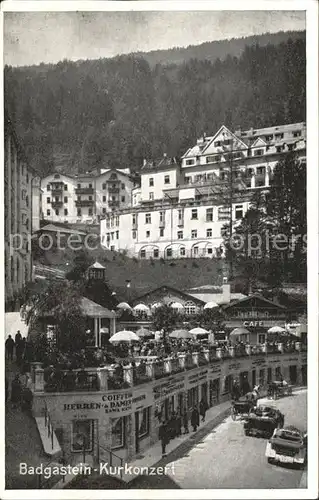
[226, 291]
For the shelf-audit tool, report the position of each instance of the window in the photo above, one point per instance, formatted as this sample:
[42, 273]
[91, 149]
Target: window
[65, 187]
[269, 374]
[65, 211]
[134, 235]
[228, 384]
[227, 142]
[151, 196]
[123, 199]
[90, 186]
[166, 179]
[188, 180]
[182, 251]
[104, 185]
[269, 137]
[122, 185]
[190, 162]
[161, 215]
[169, 252]
[179, 235]
[118, 432]
[79, 198]
[117, 235]
[65, 199]
[90, 198]
[90, 211]
[156, 253]
[104, 199]
[161, 232]
[48, 200]
[143, 254]
[143, 419]
[82, 435]
[217, 144]
[151, 182]
[213, 159]
[239, 212]
[57, 212]
[79, 186]
[103, 210]
[194, 234]
[258, 152]
[279, 136]
[209, 214]
[79, 212]
[56, 199]
[48, 212]
[112, 248]
[194, 214]
[195, 251]
[209, 250]
[261, 170]
[117, 220]
[180, 215]
[297, 133]
[148, 234]
[278, 372]
[48, 187]
[147, 218]
[279, 149]
[190, 308]
[134, 219]
[209, 233]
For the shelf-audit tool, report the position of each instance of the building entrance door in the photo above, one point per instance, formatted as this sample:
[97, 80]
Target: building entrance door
[293, 374]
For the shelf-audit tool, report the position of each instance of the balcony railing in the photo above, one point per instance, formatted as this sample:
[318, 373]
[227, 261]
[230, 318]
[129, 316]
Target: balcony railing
[57, 204]
[57, 192]
[113, 190]
[116, 377]
[114, 203]
[84, 203]
[86, 190]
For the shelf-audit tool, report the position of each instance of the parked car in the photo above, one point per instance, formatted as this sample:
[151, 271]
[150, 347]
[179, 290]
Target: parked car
[262, 421]
[287, 445]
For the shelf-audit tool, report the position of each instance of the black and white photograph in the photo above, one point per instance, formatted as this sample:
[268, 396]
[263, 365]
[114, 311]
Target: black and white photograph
[160, 223]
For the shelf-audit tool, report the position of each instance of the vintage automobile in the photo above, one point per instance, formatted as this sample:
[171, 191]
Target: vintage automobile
[287, 445]
[241, 408]
[279, 388]
[262, 421]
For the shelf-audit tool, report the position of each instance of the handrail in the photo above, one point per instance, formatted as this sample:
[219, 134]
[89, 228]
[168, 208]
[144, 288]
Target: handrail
[111, 455]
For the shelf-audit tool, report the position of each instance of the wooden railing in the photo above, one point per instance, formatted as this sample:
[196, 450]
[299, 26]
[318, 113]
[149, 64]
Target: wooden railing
[105, 455]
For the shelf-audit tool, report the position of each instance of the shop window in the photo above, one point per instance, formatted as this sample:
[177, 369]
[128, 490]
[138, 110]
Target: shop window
[118, 432]
[144, 422]
[82, 435]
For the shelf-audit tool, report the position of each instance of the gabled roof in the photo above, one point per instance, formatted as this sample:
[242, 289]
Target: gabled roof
[94, 310]
[159, 164]
[255, 296]
[223, 129]
[166, 288]
[258, 142]
[96, 265]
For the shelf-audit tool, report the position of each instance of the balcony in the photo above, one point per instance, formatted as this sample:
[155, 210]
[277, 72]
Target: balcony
[86, 190]
[56, 204]
[57, 191]
[114, 204]
[113, 190]
[113, 181]
[84, 203]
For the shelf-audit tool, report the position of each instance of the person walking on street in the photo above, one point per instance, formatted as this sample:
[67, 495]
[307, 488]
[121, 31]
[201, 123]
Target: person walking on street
[9, 344]
[163, 437]
[195, 419]
[15, 391]
[18, 337]
[185, 421]
[203, 407]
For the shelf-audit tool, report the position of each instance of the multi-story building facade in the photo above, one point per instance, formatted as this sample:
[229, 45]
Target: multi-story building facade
[85, 198]
[180, 209]
[20, 211]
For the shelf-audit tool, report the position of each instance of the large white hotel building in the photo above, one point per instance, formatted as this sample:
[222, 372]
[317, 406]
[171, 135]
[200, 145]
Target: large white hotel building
[179, 209]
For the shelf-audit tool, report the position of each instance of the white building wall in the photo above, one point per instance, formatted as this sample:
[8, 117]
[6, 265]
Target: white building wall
[67, 197]
[158, 182]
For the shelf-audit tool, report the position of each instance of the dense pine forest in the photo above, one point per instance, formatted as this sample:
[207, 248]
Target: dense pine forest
[75, 116]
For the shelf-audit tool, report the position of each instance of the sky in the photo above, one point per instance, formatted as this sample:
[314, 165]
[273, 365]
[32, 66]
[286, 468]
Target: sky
[35, 37]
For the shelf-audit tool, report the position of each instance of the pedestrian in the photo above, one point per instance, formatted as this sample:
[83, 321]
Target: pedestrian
[164, 437]
[15, 391]
[195, 418]
[185, 421]
[178, 422]
[203, 407]
[173, 425]
[18, 337]
[9, 345]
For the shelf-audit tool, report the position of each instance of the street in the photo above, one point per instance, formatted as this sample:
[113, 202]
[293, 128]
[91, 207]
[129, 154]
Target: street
[226, 458]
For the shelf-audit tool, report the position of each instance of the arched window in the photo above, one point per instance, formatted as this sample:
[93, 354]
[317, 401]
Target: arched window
[190, 308]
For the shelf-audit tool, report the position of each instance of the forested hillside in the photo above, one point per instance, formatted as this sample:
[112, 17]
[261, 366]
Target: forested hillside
[78, 115]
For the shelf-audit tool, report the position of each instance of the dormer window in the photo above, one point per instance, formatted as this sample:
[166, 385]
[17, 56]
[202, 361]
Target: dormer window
[217, 144]
[190, 162]
[258, 152]
[279, 136]
[297, 133]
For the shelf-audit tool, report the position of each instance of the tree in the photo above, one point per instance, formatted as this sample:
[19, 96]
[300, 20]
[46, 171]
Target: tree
[61, 302]
[81, 263]
[165, 319]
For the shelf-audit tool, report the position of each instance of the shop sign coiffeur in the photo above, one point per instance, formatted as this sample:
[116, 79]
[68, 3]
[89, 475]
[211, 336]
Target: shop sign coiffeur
[111, 403]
